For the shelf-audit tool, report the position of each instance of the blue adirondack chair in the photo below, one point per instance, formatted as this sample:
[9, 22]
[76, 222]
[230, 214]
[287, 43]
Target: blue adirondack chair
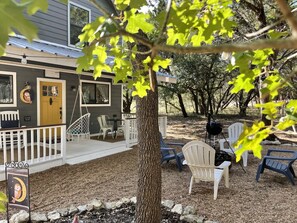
[278, 164]
[169, 153]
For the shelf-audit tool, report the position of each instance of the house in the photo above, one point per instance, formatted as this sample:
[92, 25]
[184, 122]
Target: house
[48, 66]
[40, 81]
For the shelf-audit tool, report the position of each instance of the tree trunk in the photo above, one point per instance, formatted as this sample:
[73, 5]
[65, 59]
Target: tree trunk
[195, 99]
[182, 106]
[127, 101]
[148, 208]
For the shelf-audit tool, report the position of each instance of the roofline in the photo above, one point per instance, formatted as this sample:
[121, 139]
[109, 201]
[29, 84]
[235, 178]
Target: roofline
[57, 60]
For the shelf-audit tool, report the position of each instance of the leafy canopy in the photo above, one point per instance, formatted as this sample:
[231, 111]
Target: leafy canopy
[12, 19]
[187, 23]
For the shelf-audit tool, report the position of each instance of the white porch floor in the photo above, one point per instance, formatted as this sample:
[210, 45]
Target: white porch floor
[86, 150]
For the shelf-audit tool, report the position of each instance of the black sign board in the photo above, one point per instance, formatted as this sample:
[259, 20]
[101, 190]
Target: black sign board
[18, 193]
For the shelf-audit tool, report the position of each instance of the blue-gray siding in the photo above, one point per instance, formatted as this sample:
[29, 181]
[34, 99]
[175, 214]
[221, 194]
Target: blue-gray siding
[53, 25]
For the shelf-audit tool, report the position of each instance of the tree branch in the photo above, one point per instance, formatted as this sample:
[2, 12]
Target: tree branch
[288, 15]
[163, 27]
[105, 12]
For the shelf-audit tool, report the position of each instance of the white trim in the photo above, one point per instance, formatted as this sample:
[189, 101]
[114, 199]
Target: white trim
[122, 98]
[68, 22]
[95, 105]
[14, 87]
[63, 82]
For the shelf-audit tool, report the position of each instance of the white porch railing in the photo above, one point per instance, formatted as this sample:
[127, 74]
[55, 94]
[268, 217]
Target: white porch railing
[37, 145]
[131, 134]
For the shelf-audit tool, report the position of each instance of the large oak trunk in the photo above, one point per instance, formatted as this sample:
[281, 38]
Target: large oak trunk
[148, 208]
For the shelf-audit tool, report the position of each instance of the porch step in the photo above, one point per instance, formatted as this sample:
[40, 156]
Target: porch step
[81, 158]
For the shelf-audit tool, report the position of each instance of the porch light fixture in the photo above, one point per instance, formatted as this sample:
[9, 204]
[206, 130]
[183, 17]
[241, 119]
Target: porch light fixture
[73, 88]
[24, 59]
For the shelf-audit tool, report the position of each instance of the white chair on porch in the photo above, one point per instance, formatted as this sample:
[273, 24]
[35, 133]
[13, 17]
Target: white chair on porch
[234, 132]
[200, 157]
[104, 127]
[10, 119]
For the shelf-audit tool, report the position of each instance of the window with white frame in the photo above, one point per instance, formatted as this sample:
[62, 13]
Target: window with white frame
[8, 89]
[95, 93]
[78, 17]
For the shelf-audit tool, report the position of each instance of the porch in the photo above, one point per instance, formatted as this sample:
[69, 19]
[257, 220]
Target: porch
[45, 147]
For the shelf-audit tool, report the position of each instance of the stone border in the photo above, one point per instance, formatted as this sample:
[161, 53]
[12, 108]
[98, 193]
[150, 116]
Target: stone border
[188, 213]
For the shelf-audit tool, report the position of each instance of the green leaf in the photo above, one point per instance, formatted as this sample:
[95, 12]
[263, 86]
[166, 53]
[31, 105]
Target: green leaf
[291, 110]
[3, 197]
[160, 62]
[141, 88]
[273, 34]
[12, 18]
[137, 3]
[271, 109]
[285, 123]
[272, 84]
[2, 207]
[122, 4]
[251, 139]
[34, 5]
[92, 30]
[137, 21]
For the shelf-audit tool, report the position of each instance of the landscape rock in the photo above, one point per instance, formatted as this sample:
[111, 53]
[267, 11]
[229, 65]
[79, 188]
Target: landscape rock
[3, 221]
[208, 221]
[90, 207]
[63, 212]
[168, 204]
[82, 209]
[21, 216]
[38, 217]
[189, 210]
[110, 205]
[73, 210]
[97, 204]
[125, 200]
[53, 215]
[133, 200]
[178, 208]
[192, 218]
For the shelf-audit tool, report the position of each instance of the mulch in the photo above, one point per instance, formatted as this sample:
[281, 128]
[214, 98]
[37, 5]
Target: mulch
[272, 199]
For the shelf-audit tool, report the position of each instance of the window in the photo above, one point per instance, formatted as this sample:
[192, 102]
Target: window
[7, 89]
[95, 93]
[78, 18]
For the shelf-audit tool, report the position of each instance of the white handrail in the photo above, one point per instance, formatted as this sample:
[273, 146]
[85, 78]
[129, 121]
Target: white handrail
[33, 145]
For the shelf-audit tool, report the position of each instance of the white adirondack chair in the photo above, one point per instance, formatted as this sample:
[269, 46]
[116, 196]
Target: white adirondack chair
[200, 157]
[104, 127]
[234, 132]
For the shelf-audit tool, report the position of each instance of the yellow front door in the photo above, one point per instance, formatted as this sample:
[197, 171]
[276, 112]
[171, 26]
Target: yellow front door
[50, 103]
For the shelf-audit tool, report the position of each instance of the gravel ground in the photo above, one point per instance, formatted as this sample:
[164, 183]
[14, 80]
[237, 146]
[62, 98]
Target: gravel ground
[272, 199]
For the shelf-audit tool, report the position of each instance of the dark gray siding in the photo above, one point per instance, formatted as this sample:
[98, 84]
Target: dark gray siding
[31, 75]
[53, 25]
[115, 108]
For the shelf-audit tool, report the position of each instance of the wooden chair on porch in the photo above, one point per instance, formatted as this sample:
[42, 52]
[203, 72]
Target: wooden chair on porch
[10, 119]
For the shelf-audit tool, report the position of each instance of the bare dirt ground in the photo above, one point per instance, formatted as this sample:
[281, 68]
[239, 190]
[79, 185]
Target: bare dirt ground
[272, 199]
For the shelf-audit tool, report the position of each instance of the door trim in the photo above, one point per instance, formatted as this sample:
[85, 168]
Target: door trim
[63, 82]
